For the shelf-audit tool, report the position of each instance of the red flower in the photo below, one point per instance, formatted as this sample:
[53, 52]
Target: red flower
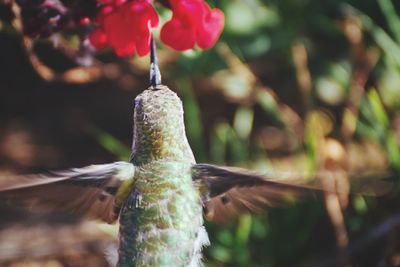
[125, 25]
[193, 22]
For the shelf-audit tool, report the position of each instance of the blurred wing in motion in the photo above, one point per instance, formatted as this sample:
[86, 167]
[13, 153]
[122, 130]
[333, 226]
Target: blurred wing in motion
[373, 183]
[230, 190]
[227, 191]
[84, 192]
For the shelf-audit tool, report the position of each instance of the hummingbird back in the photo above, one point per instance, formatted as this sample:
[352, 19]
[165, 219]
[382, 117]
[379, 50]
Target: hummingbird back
[161, 221]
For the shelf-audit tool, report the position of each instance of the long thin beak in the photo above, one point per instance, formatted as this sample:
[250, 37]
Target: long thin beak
[155, 75]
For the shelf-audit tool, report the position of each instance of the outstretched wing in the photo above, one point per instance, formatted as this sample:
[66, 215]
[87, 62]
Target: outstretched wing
[84, 192]
[227, 191]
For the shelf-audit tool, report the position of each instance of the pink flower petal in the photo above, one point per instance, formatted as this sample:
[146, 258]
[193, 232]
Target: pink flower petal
[118, 33]
[127, 25]
[178, 35]
[211, 29]
[99, 39]
[192, 22]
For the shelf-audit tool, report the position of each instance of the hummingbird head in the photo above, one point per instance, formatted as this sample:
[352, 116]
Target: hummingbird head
[159, 130]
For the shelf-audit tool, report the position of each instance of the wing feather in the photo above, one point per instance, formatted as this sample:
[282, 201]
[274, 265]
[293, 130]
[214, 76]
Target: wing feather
[84, 192]
[227, 191]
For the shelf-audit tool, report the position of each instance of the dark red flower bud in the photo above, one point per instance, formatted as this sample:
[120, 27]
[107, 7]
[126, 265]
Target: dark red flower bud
[99, 39]
[84, 21]
[41, 18]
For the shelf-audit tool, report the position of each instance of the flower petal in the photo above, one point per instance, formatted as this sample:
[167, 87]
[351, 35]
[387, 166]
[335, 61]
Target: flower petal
[142, 16]
[189, 12]
[180, 32]
[118, 33]
[211, 28]
[126, 25]
[99, 39]
[192, 22]
[178, 35]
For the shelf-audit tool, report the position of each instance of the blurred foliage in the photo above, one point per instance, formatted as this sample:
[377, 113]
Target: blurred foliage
[293, 86]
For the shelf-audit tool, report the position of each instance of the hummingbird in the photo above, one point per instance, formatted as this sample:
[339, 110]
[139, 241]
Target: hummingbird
[161, 196]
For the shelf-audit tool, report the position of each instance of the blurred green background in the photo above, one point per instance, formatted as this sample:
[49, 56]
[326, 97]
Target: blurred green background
[292, 87]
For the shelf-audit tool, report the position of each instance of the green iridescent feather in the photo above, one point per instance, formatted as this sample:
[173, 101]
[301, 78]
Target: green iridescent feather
[162, 215]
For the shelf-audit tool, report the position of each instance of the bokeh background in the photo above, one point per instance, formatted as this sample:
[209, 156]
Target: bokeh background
[295, 88]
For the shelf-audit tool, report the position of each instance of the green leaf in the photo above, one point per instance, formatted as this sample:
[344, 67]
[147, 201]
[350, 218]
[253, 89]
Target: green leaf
[110, 143]
[243, 121]
[383, 40]
[392, 18]
[194, 127]
[243, 229]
